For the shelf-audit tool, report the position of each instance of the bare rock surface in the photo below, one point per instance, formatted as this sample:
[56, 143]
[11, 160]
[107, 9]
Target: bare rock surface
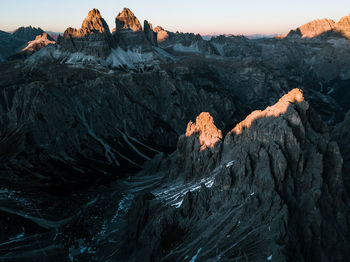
[93, 38]
[40, 41]
[313, 29]
[127, 20]
[265, 197]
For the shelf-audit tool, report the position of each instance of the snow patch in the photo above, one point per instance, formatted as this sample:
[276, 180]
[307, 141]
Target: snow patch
[80, 58]
[229, 164]
[132, 59]
[196, 255]
[330, 91]
[178, 204]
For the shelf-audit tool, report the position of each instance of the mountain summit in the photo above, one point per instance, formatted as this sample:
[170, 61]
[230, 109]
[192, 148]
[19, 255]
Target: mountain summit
[93, 23]
[93, 38]
[127, 20]
[313, 28]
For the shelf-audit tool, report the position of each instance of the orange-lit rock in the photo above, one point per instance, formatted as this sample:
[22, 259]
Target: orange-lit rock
[313, 28]
[209, 135]
[277, 109]
[162, 35]
[39, 42]
[127, 20]
[93, 38]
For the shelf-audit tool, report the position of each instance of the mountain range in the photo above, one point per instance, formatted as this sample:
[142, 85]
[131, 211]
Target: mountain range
[140, 144]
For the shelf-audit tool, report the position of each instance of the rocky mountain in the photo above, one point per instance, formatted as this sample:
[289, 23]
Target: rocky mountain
[40, 42]
[148, 145]
[29, 33]
[11, 45]
[126, 20]
[93, 38]
[151, 35]
[313, 29]
[128, 33]
[162, 35]
[323, 27]
[253, 195]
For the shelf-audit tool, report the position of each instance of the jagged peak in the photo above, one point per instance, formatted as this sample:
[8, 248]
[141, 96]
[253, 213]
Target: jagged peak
[127, 20]
[93, 23]
[314, 28]
[158, 29]
[146, 23]
[344, 21]
[294, 96]
[209, 134]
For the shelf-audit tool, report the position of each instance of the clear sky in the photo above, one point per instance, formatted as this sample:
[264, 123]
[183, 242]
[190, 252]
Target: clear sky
[198, 16]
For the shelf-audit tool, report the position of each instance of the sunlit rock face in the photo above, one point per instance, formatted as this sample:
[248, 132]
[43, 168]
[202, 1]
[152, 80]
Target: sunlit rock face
[323, 28]
[39, 42]
[209, 135]
[343, 27]
[280, 108]
[201, 140]
[313, 29]
[128, 33]
[273, 188]
[344, 22]
[127, 20]
[93, 38]
[162, 35]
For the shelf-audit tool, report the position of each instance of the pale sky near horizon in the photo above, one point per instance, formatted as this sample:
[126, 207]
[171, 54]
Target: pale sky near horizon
[198, 16]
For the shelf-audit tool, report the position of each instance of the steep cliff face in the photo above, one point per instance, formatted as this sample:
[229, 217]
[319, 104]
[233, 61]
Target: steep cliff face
[93, 38]
[128, 33]
[341, 135]
[126, 20]
[269, 194]
[151, 35]
[162, 35]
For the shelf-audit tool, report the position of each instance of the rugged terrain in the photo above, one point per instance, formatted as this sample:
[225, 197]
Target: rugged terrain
[142, 144]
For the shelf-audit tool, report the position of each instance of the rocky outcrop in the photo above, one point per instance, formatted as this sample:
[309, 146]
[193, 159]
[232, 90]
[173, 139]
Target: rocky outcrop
[183, 43]
[198, 147]
[128, 33]
[274, 184]
[39, 42]
[93, 38]
[344, 23]
[313, 29]
[126, 20]
[162, 35]
[150, 34]
[324, 28]
[29, 33]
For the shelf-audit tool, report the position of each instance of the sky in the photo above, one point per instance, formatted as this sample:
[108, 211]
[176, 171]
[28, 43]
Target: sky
[199, 16]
